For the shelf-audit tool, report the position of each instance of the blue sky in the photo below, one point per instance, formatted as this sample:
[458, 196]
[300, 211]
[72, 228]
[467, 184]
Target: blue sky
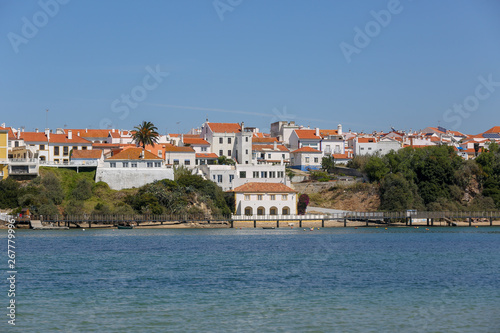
[254, 61]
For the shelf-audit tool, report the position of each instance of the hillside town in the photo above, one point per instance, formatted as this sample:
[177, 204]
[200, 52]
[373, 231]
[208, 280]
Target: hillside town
[235, 156]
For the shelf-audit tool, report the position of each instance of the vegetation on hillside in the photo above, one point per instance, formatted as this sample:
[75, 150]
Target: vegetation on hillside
[434, 178]
[66, 192]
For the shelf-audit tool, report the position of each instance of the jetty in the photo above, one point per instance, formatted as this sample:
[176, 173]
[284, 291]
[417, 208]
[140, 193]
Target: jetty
[37, 225]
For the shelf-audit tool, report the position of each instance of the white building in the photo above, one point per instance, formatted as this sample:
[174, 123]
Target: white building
[273, 154]
[185, 156]
[265, 199]
[305, 138]
[230, 140]
[306, 158]
[283, 130]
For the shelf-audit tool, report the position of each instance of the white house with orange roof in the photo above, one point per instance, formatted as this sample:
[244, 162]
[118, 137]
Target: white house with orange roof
[132, 167]
[270, 153]
[180, 156]
[198, 144]
[306, 158]
[305, 138]
[262, 199]
[283, 130]
[229, 139]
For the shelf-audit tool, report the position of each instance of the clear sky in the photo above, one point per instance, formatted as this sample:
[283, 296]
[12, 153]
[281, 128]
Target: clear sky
[368, 65]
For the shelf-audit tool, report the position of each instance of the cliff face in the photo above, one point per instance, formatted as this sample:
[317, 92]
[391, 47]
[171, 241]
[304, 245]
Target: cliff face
[357, 197]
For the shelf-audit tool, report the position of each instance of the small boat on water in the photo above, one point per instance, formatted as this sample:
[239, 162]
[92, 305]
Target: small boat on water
[125, 226]
[268, 228]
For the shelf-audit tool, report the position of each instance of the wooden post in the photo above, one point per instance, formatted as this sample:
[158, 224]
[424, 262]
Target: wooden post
[470, 221]
[231, 224]
[300, 223]
[366, 222]
[491, 221]
[406, 220]
[255, 223]
[432, 222]
[90, 224]
[322, 223]
[345, 221]
[411, 221]
[427, 221]
[277, 223]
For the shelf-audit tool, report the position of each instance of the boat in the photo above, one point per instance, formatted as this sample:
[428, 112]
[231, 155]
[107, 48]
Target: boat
[268, 228]
[125, 226]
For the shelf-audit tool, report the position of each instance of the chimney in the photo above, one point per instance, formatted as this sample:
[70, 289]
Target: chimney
[18, 133]
[85, 130]
[47, 133]
[275, 145]
[36, 130]
[339, 129]
[70, 135]
[316, 131]
[242, 126]
[78, 133]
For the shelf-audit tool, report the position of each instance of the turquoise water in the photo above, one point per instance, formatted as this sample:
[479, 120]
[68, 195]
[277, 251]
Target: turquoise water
[254, 280]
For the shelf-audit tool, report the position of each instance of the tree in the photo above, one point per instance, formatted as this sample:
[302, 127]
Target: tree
[302, 204]
[223, 160]
[376, 169]
[145, 134]
[328, 163]
[83, 190]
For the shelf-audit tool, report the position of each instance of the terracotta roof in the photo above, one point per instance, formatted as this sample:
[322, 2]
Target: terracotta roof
[325, 133]
[367, 140]
[206, 155]
[306, 150]
[457, 133]
[54, 138]
[113, 145]
[134, 154]
[341, 156]
[88, 154]
[264, 140]
[307, 134]
[90, 133]
[11, 132]
[258, 135]
[171, 148]
[114, 134]
[264, 188]
[495, 129]
[269, 147]
[225, 127]
[195, 141]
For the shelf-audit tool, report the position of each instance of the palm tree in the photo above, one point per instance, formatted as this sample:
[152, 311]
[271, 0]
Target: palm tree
[145, 134]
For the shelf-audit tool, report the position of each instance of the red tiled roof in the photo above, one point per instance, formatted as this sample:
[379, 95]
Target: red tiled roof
[264, 188]
[264, 140]
[113, 145]
[134, 154]
[88, 154]
[341, 156]
[326, 133]
[306, 150]
[195, 141]
[90, 133]
[206, 155]
[269, 147]
[171, 148]
[258, 135]
[54, 138]
[225, 127]
[495, 129]
[307, 134]
[367, 140]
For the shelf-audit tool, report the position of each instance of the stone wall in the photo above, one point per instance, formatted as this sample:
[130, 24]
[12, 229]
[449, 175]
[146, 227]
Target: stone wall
[120, 178]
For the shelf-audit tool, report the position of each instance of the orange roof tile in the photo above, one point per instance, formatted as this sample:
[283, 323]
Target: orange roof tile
[90, 133]
[264, 188]
[113, 145]
[495, 129]
[134, 154]
[258, 135]
[88, 154]
[264, 140]
[171, 148]
[306, 150]
[307, 134]
[269, 147]
[206, 155]
[195, 141]
[341, 156]
[54, 138]
[225, 127]
[367, 140]
[326, 133]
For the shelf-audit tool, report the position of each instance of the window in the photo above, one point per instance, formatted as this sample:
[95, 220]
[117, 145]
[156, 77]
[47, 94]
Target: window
[160, 153]
[268, 155]
[243, 174]
[228, 153]
[285, 211]
[273, 211]
[263, 174]
[176, 162]
[307, 159]
[220, 140]
[133, 164]
[273, 196]
[283, 156]
[246, 151]
[248, 211]
[187, 162]
[221, 153]
[16, 144]
[56, 160]
[246, 139]
[112, 165]
[280, 174]
[125, 164]
[259, 197]
[84, 148]
[42, 147]
[362, 148]
[203, 148]
[157, 164]
[56, 150]
[255, 174]
[261, 211]
[231, 177]
[247, 197]
[272, 174]
[284, 197]
[229, 140]
[219, 178]
[75, 148]
[149, 164]
[369, 148]
[316, 160]
[65, 151]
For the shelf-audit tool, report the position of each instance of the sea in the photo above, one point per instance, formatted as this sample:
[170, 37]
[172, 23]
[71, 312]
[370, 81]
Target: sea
[442, 279]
